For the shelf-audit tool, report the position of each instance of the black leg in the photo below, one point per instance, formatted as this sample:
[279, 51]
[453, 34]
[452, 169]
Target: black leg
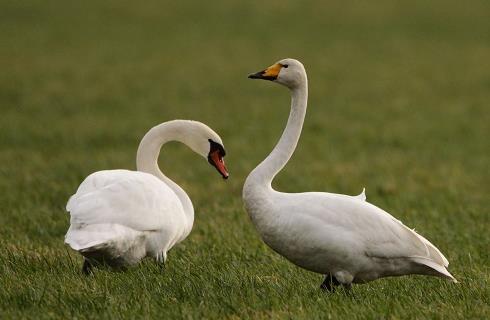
[87, 267]
[347, 287]
[161, 266]
[160, 260]
[329, 283]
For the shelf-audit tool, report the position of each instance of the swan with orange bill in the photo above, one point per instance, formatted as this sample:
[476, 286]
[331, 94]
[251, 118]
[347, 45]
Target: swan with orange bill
[345, 238]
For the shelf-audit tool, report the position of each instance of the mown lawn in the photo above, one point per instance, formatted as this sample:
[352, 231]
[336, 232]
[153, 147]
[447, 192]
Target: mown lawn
[399, 104]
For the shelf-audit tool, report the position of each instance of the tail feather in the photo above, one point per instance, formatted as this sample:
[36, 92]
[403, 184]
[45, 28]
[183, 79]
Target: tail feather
[434, 253]
[93, 237]
[439, 270]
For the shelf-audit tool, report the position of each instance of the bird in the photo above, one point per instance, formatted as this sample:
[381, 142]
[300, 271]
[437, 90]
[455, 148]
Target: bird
[345, 238]
[118, 217]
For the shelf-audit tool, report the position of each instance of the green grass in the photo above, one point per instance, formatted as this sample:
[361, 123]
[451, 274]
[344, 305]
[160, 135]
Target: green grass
[399, 104]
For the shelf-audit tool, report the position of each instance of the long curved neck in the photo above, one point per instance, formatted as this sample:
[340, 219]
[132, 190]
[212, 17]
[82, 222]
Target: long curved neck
[149, 150]
[277, 159]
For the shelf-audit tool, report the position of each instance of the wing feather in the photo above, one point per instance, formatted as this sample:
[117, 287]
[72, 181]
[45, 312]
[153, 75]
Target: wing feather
[376, 232]
[133, 199]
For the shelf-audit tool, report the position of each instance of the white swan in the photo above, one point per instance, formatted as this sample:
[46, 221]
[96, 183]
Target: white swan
[119, 217]
[343, 237]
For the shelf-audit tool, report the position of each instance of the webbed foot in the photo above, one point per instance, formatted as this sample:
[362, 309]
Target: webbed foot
[87, 267]
[330, 283]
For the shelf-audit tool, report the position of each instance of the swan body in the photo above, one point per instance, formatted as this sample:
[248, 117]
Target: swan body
[118, 217]
[343, 237]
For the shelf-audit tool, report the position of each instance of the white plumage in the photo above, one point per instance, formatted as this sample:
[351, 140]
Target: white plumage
[119, 217]
[344, 237]
[126, 214]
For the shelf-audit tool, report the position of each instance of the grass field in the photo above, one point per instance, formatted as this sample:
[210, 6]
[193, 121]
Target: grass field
[399, 104]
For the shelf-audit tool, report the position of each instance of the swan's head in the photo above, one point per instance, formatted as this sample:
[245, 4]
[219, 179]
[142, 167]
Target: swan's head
[204, 141]
[215, 157]
[288, 72]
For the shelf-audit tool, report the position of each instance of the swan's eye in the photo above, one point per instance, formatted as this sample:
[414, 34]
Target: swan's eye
[285, 66]
[216, 147]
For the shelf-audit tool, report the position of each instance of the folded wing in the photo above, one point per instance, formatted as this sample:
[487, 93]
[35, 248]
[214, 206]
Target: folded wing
[132, 199]
[378, 234]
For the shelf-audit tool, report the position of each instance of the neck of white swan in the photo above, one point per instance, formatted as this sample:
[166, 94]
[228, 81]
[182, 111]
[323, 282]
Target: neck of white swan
[149, 150]
[278, 158]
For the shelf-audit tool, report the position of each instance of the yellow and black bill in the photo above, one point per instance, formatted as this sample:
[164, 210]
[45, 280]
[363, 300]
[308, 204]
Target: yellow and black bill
[270, 73]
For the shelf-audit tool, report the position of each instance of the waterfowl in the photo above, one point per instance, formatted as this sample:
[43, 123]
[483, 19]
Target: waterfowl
[118, 217]
[345, 238]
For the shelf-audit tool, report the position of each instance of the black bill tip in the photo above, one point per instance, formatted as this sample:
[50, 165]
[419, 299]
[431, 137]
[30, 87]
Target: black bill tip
[258, 75]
